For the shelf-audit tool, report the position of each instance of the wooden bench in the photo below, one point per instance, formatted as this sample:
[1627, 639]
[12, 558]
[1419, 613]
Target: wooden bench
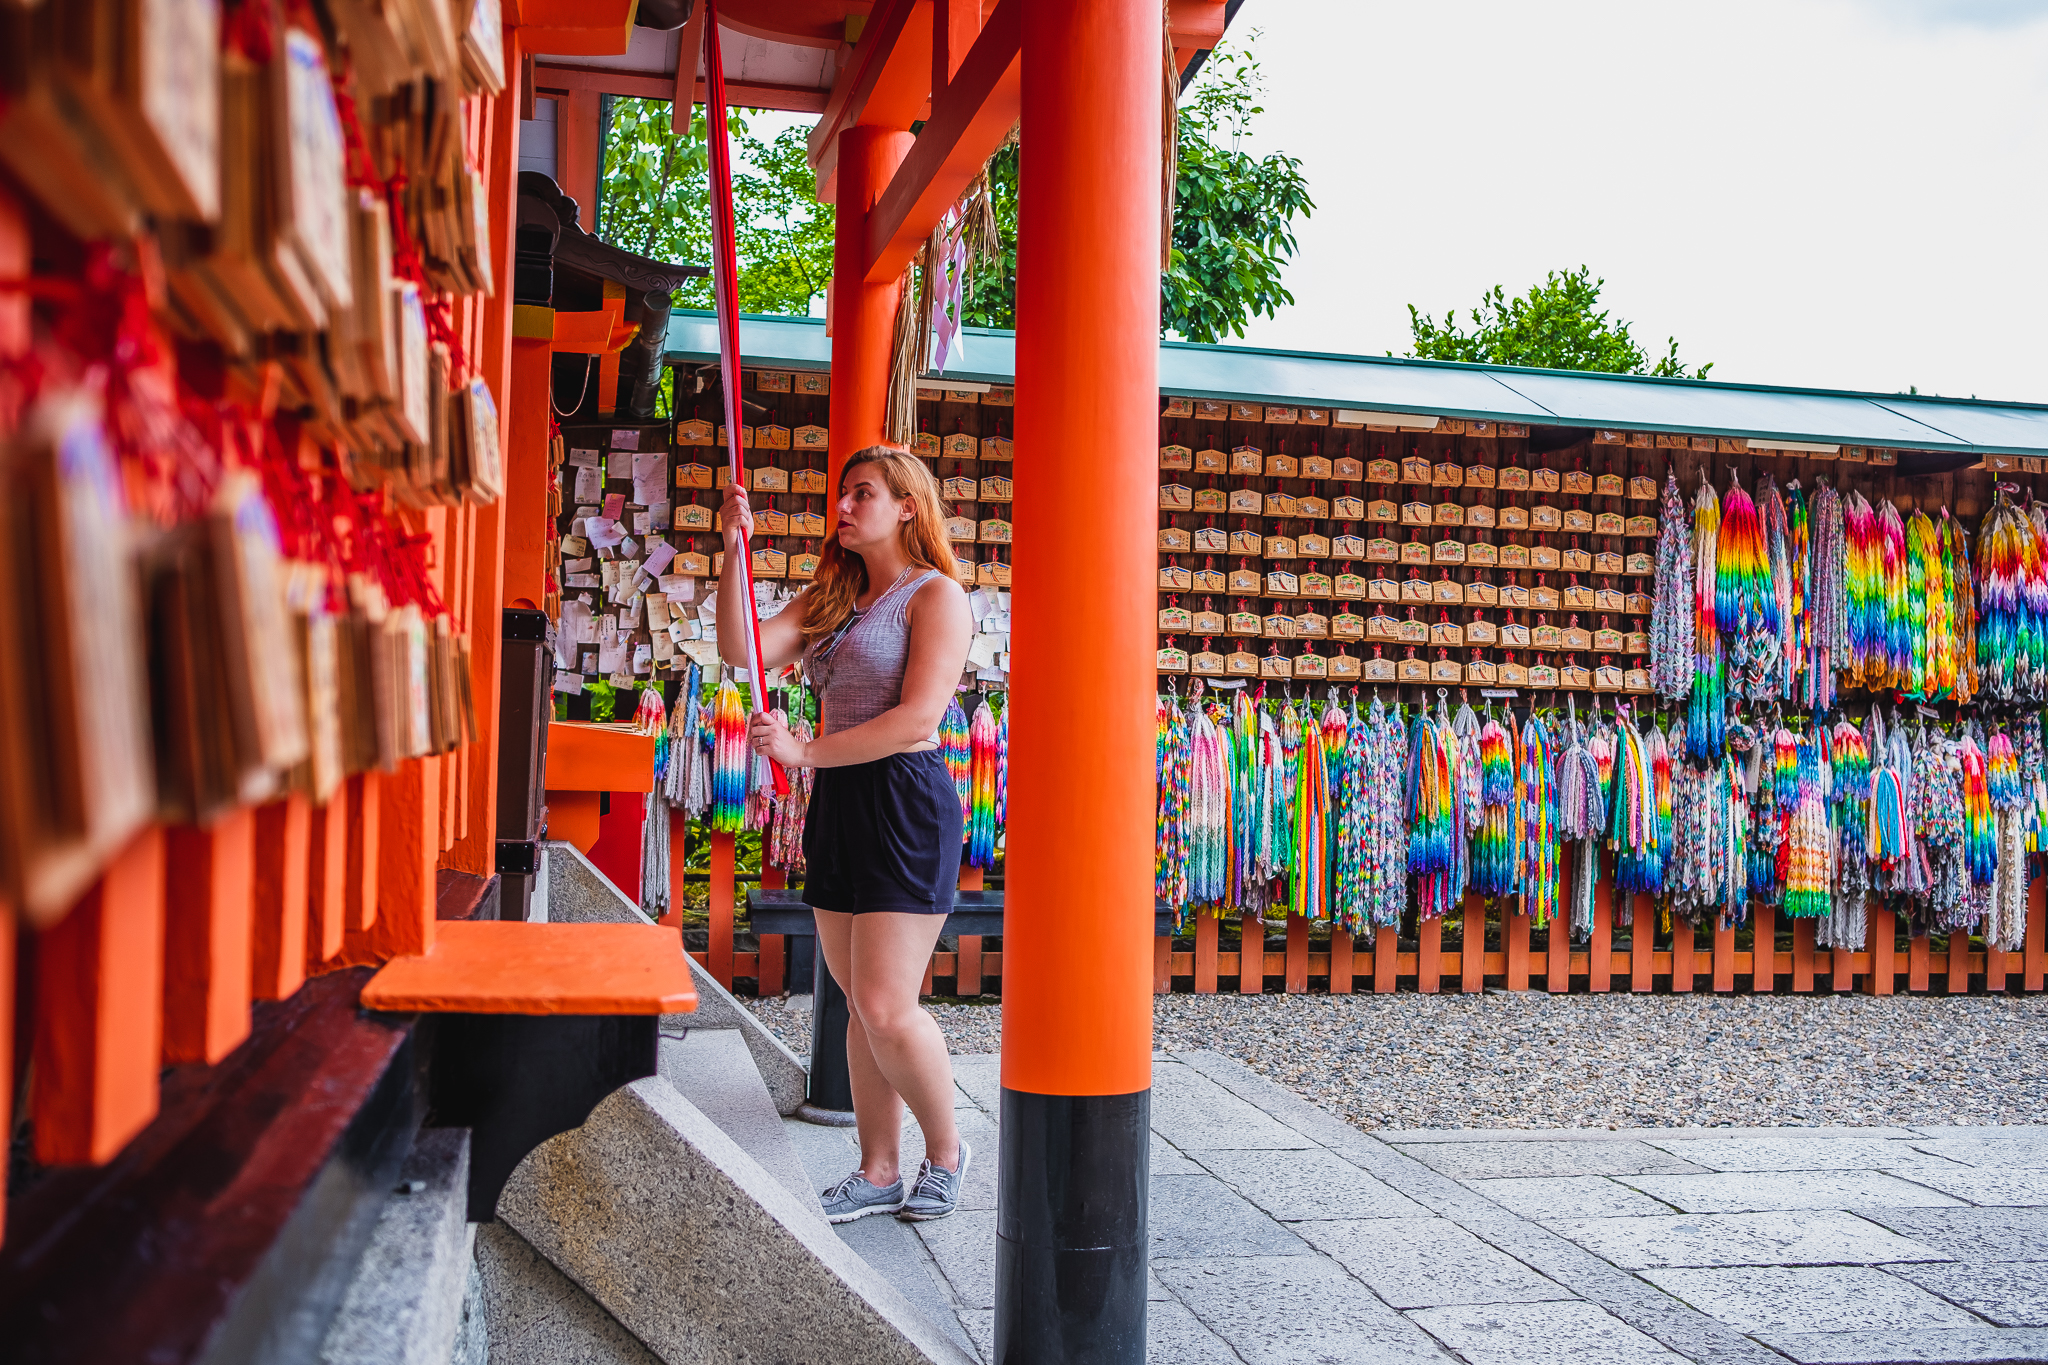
[534, 1024]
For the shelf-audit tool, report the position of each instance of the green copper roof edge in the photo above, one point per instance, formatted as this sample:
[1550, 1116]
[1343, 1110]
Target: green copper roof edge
[1934, 438]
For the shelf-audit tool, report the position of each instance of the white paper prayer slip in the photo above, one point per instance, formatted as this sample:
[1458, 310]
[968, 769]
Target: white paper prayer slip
[650, 475]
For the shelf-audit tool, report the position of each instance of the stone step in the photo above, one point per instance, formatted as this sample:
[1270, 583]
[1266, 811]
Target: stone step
[698, 1251]
[713, 1070]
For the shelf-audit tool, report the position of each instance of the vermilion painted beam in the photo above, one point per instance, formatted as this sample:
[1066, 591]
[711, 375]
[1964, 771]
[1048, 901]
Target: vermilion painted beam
[969, 121]
[894, 52]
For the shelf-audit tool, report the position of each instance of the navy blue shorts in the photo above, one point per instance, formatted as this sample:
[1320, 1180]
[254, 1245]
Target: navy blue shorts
[884, 836]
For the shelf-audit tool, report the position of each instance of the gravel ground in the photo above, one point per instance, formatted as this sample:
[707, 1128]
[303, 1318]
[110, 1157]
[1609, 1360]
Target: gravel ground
[1589, 1061]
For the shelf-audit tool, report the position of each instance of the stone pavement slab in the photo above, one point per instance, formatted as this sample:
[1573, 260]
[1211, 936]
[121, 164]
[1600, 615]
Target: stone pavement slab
[1293, 1185]
[1973, 1234]
[1798, 1153]
[2029, 1151]
[1199, 1215]
[2010, 1188]
[1753, 1191]
[1541, 1334]
[1282, 1310]
[1532, 1157]
[1567, 1196]
[1811, 1299]
[1281, 1234]
[1168, 1159]
[1194, 1113]
[1823, 1237]
[1925, 1346]
[964, 1249]
[2009, 1293]
[1426, 1262]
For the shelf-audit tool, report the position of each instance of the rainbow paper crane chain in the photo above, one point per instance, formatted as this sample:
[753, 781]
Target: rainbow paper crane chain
[981, 812]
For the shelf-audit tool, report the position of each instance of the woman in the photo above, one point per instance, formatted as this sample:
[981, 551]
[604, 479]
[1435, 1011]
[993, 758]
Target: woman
[883, 632]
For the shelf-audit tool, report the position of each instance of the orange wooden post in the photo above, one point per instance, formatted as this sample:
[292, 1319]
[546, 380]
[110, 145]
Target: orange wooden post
[1642, 947]
[1515, 938]
[1883, 943]
[1162, 964]
[863, 312]
[719, 958]
[1995, 960]
[1251, 955]
[1386, 948]
[327, 880]
[98, 1032]
[1842, 971]
[768, 965]
[210, 894]
[1958, 979]
[408, 827]
[1919, 962]
[1297, 954]
[524, 508]
[1207, 929]
[365, 793]
[1681, 953]
[1802, 955]
[2037, 936]
[925, 987]
[1763, 956]
[1342, 945]
[1724, 956]
[678, 870]
[8, 957]
[1472, 945]
[1600, 951]
[967, 978]
[1429, 956]
[1557, 955]
[284, 831]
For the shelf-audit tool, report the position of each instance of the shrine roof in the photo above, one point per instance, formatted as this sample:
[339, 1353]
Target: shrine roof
[1562, 398]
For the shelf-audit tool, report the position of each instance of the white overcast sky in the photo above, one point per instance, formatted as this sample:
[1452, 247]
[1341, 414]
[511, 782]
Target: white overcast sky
[1837, 193]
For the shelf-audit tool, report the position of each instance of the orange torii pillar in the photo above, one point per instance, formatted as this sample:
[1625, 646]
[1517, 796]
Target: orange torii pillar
[1077, 1028]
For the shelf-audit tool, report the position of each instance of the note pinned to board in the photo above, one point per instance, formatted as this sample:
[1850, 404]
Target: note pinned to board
[589, 486]
[626, 438]
[650, 476]
[614, 506]
[582, 459]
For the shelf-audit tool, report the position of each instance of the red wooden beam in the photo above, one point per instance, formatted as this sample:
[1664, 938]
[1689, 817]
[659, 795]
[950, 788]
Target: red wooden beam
[969, 121]
[885, 85]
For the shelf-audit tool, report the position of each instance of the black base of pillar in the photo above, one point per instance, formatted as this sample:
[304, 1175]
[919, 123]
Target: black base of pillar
[1071, 1245]
[831, 1085]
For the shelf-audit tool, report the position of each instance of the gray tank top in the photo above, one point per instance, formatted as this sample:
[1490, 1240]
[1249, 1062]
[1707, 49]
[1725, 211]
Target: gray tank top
[858, 669]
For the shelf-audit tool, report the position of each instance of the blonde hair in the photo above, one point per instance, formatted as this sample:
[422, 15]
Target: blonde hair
[843, 575]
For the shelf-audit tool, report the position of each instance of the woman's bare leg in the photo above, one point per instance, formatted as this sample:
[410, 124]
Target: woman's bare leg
[877, 1108]
[893, 1047]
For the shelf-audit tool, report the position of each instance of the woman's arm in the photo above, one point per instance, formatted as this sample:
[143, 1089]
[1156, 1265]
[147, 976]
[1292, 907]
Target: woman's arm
[940, 629]
[782, 640]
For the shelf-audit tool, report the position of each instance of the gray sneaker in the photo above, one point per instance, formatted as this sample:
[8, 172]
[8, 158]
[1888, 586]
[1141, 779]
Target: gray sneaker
[855, 1197]
[936, 1189]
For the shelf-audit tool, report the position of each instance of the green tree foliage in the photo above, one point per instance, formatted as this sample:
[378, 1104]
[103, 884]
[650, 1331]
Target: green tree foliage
[1557, 325]
[1233, 226]
[656, 202]
[1233, 230]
